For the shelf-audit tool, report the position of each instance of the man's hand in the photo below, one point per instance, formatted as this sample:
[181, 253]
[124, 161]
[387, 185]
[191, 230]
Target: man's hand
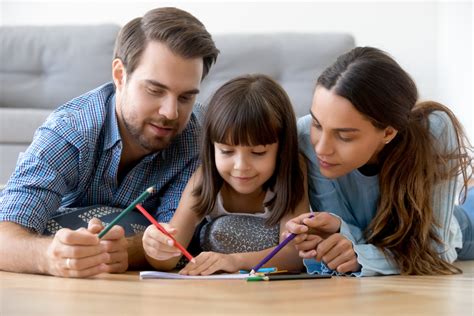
[75, 253]
[210, 262]
[114, 244]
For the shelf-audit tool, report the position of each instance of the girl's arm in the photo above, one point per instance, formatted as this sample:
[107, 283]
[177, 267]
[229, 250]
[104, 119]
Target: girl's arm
[159, 253]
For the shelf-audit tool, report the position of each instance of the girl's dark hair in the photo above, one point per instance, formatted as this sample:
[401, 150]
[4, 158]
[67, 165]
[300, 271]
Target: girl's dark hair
[252, 110]
[411, 164]
[179, 30]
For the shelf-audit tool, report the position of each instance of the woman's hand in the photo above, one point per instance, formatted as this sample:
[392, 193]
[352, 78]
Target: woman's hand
[322, 224]
[210, 262]
[337, 252]
[159, 246]
[319, 238]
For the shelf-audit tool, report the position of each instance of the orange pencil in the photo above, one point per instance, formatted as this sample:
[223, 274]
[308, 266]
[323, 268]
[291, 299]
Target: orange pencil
[176, 243]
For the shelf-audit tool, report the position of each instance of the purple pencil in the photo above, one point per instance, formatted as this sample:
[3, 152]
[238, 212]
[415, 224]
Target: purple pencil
[275, 251]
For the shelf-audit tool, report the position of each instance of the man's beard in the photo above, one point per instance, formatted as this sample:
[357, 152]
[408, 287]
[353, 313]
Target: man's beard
[154, 144]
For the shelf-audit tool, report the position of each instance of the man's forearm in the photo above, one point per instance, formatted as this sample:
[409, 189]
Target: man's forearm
[22, 250]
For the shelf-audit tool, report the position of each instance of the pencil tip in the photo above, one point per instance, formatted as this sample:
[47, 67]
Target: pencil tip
[252, 272]
[150, 189]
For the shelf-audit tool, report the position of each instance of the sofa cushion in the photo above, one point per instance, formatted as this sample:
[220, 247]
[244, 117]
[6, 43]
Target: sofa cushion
[295, 60]
[44, 66]
[17, 126]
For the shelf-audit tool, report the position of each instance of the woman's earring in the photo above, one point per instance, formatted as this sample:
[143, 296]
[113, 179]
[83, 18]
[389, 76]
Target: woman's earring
[387, 141]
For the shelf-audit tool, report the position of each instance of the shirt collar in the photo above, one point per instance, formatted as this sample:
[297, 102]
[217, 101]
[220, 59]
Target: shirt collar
[112, 134]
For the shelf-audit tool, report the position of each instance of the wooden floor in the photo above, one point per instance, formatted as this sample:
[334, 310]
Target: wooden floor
[22, 294]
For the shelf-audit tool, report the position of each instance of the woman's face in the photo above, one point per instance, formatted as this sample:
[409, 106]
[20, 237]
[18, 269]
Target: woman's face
[342, 137]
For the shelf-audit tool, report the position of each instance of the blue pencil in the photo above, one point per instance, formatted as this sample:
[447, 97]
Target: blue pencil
[275, 251]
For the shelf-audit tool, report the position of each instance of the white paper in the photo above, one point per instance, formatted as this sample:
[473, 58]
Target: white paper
[168, 275]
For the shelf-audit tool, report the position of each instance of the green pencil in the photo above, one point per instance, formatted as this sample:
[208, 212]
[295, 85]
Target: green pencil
[140, 199]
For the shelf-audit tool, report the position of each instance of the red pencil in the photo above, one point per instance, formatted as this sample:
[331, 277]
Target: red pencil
[176, 243]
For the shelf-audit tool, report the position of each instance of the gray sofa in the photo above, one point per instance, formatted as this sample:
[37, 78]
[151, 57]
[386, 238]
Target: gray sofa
[42, 67]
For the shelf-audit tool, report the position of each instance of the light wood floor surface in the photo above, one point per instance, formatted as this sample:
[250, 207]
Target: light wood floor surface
[126, 294]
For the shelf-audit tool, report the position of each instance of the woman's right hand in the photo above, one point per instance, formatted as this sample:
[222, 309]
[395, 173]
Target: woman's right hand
[312, 228]
[159, 246]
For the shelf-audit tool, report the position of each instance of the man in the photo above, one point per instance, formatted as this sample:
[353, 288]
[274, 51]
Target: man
[105, 148]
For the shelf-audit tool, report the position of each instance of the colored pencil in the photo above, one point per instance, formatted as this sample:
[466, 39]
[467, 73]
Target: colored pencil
[288, 277]
[140, 199]
[163, 230]
[261, 270]
[276, 250]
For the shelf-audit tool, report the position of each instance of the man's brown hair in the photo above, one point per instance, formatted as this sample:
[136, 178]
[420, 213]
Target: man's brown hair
[179, 30]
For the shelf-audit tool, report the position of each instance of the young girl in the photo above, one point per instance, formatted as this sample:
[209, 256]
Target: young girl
[250, 170]
[386, 167]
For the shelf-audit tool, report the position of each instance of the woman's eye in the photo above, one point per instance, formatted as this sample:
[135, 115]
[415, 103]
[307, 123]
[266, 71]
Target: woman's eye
[345, 139]
[316, 125]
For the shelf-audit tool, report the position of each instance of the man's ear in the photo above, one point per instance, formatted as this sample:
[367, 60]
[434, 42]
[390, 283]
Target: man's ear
[119, 74]
[389, 134]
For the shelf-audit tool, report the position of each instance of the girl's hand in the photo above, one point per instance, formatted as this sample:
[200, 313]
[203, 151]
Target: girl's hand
[336, 252]
[159, 246]
[210, 262]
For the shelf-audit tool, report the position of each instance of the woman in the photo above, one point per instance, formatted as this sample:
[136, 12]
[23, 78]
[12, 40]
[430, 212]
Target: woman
[384, 169]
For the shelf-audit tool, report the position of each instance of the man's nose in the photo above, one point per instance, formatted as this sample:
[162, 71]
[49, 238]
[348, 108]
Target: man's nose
[169, 108]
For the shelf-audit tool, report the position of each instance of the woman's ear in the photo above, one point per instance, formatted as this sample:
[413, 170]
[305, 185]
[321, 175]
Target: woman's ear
[119, 74]
[389, 134]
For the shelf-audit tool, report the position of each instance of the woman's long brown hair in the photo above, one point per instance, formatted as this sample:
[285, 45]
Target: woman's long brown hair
[412, 164]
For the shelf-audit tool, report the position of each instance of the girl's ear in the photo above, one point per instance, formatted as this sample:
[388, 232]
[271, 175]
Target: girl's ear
[389, 134]
[119, 74]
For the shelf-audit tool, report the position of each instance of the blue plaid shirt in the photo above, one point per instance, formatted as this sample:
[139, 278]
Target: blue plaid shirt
[73, 162]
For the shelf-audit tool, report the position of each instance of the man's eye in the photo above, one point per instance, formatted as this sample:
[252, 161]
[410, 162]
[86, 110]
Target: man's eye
[155, 92]
[186, 98]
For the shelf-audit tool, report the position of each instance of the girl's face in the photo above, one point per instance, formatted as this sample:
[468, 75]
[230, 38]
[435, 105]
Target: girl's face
[342, 137]
[245, 168]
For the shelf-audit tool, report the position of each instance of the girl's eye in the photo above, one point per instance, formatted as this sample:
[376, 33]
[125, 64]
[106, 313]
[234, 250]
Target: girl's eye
[260, 153]
[225, 152]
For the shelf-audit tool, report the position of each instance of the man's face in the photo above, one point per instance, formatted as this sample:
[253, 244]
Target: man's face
[155, 102]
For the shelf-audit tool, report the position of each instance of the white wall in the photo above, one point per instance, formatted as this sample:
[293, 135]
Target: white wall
[432, 40]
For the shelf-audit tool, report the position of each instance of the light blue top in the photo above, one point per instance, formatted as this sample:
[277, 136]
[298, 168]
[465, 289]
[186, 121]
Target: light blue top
[354, 196]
